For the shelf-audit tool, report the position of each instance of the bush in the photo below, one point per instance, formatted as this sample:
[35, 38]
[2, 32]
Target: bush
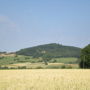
[5, 67]
[12, 68]
[63, 66]
[39, 67]
[21, 67]
[27, 58]
[69, 67]
[53, 67]
[11, 63]
[52, 61]
[32, 61]
[16, 59]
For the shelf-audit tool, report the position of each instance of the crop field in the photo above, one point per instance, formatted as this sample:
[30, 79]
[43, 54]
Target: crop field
[61, 79]
[13, 59]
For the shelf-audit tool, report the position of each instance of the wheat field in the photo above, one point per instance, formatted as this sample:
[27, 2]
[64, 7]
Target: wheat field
[46, 79]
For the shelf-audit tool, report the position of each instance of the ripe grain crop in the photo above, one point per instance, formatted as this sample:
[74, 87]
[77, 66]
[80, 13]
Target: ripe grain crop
[46, 79]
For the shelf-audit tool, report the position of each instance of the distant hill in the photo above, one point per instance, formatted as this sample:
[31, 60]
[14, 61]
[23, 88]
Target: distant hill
[51, 50]
[3, 52]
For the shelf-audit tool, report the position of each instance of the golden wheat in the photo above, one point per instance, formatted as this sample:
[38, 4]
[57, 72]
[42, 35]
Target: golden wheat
[45, 79]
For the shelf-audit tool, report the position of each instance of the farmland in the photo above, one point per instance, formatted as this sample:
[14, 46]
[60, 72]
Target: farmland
[29, 62]
[47, 56]
[47, 79]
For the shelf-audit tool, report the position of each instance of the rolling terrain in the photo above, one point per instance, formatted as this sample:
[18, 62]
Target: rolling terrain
[52, 50]
[46, 56]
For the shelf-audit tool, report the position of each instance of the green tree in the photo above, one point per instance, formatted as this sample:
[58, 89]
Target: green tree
[85, 57]
[46, 58]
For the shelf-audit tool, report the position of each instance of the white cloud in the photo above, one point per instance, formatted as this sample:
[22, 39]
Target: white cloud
[7, 24]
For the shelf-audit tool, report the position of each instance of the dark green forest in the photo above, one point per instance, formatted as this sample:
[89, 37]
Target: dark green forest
[52, 50]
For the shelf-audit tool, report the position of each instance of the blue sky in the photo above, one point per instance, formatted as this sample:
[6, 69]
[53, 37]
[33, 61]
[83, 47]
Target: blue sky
[27, 23]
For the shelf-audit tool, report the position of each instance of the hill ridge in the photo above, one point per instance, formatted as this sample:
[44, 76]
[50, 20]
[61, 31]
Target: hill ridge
[51, 50]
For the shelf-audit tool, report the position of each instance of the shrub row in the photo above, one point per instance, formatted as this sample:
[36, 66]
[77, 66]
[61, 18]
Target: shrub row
[39, 67]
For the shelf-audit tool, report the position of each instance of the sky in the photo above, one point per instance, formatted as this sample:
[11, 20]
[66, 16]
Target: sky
[27, 23]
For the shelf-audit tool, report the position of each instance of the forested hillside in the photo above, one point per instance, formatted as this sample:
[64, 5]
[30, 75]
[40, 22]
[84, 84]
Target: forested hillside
[52, 50]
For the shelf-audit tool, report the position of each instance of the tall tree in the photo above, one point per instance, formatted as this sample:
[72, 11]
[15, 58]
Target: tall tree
[85, 57]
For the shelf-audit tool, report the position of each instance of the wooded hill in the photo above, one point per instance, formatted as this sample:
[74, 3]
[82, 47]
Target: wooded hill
[52, 50]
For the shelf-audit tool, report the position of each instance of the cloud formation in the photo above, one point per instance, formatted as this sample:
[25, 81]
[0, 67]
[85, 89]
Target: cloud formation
[7, 24]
